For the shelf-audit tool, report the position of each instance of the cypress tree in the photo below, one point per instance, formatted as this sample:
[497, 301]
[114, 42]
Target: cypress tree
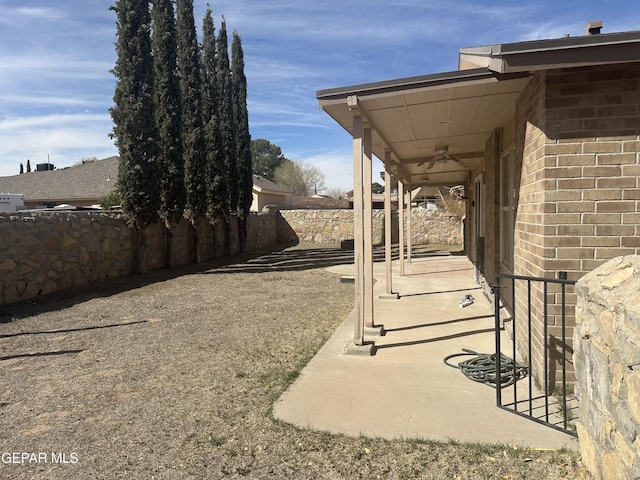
[132, 114]
[192, 134]
[243, 137]
[215, 181]
[167, 111]
[226, 124]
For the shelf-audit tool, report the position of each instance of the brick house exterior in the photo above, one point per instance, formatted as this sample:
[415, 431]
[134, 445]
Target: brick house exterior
[549, 135]
[575, 145]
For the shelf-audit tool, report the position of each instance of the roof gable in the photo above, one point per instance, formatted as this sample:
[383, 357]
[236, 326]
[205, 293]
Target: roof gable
[88, 181]
[264, 185]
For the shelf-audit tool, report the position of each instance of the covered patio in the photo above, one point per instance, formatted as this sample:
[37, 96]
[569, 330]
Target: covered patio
[429, 131]
[406, 390]
[541, 138]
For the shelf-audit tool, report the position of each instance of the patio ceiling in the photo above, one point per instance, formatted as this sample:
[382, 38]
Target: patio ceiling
[411, 117]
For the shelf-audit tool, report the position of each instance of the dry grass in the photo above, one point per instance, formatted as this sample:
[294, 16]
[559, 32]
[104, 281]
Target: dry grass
[173, 376]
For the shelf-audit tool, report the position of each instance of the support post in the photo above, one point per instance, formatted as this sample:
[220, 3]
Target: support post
[358, 230]
[368, 228]
[388, 225]
[409, 232]
[401, 226]
[359, 346]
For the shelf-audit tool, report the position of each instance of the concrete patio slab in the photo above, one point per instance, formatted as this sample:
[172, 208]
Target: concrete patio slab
[406, 390]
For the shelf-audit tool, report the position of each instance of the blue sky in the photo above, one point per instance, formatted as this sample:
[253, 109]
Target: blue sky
[55, 58]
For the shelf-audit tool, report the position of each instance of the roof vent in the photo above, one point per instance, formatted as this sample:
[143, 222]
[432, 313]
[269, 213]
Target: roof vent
[594, 28]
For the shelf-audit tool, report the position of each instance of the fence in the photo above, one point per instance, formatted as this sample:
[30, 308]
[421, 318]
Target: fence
[551, 402]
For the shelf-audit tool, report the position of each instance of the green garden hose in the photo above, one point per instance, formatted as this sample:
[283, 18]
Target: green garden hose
[482, 368]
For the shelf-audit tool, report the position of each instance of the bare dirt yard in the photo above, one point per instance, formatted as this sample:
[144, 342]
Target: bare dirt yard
[172, 375]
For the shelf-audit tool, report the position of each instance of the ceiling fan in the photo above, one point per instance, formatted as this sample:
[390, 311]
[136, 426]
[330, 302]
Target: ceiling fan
[442, 155]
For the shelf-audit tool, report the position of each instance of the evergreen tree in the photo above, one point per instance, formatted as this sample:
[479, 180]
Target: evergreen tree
[192, 134]
[132, 114]
[166, 94]
[243, 137]
[226, 124]
[214, 170]
[265, 157]
[21, 168]
[28, 165]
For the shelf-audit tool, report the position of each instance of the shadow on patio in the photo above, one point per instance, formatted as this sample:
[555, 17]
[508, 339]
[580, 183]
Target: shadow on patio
[406, 390]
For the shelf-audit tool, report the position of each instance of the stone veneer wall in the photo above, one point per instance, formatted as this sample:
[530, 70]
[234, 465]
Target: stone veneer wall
[332, 226]
[607, 366]
[43, 252]
[46, 251]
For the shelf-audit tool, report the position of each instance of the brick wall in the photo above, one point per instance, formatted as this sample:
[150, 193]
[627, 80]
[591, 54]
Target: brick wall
[593, 125]
[492, 207]
[578, 134]
[530, 231]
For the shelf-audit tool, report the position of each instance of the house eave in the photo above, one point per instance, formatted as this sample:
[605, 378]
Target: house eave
[410, 83]
[553, 53]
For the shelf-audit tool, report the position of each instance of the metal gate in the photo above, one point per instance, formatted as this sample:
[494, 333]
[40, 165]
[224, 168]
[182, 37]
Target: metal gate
[537, 344]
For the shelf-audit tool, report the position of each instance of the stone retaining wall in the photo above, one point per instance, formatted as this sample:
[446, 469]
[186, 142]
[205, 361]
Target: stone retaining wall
[42, 252]
[331, 226]
[435, 226]
[607, 365]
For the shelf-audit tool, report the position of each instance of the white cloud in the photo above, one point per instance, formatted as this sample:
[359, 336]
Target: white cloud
[64, 138]
[21, 16]
[44, 99]
[38, 12]
[55, 63]
[337, 166]
[33, 67]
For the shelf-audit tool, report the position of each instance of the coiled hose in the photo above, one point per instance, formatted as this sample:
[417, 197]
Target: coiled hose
[482, 368]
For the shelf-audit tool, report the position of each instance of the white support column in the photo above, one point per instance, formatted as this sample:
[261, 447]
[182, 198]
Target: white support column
[358, 231]
[388, 226]
[409, 232]
[359, 346]
[401, 198]
[368, 228]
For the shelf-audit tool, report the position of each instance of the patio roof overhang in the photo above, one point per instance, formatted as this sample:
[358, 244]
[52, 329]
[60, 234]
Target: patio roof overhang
[409, 123]
[411, 117]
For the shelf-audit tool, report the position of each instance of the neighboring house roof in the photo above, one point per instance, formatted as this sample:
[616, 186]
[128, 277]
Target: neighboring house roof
[412, 118]
[264, 185]
[87, 182]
